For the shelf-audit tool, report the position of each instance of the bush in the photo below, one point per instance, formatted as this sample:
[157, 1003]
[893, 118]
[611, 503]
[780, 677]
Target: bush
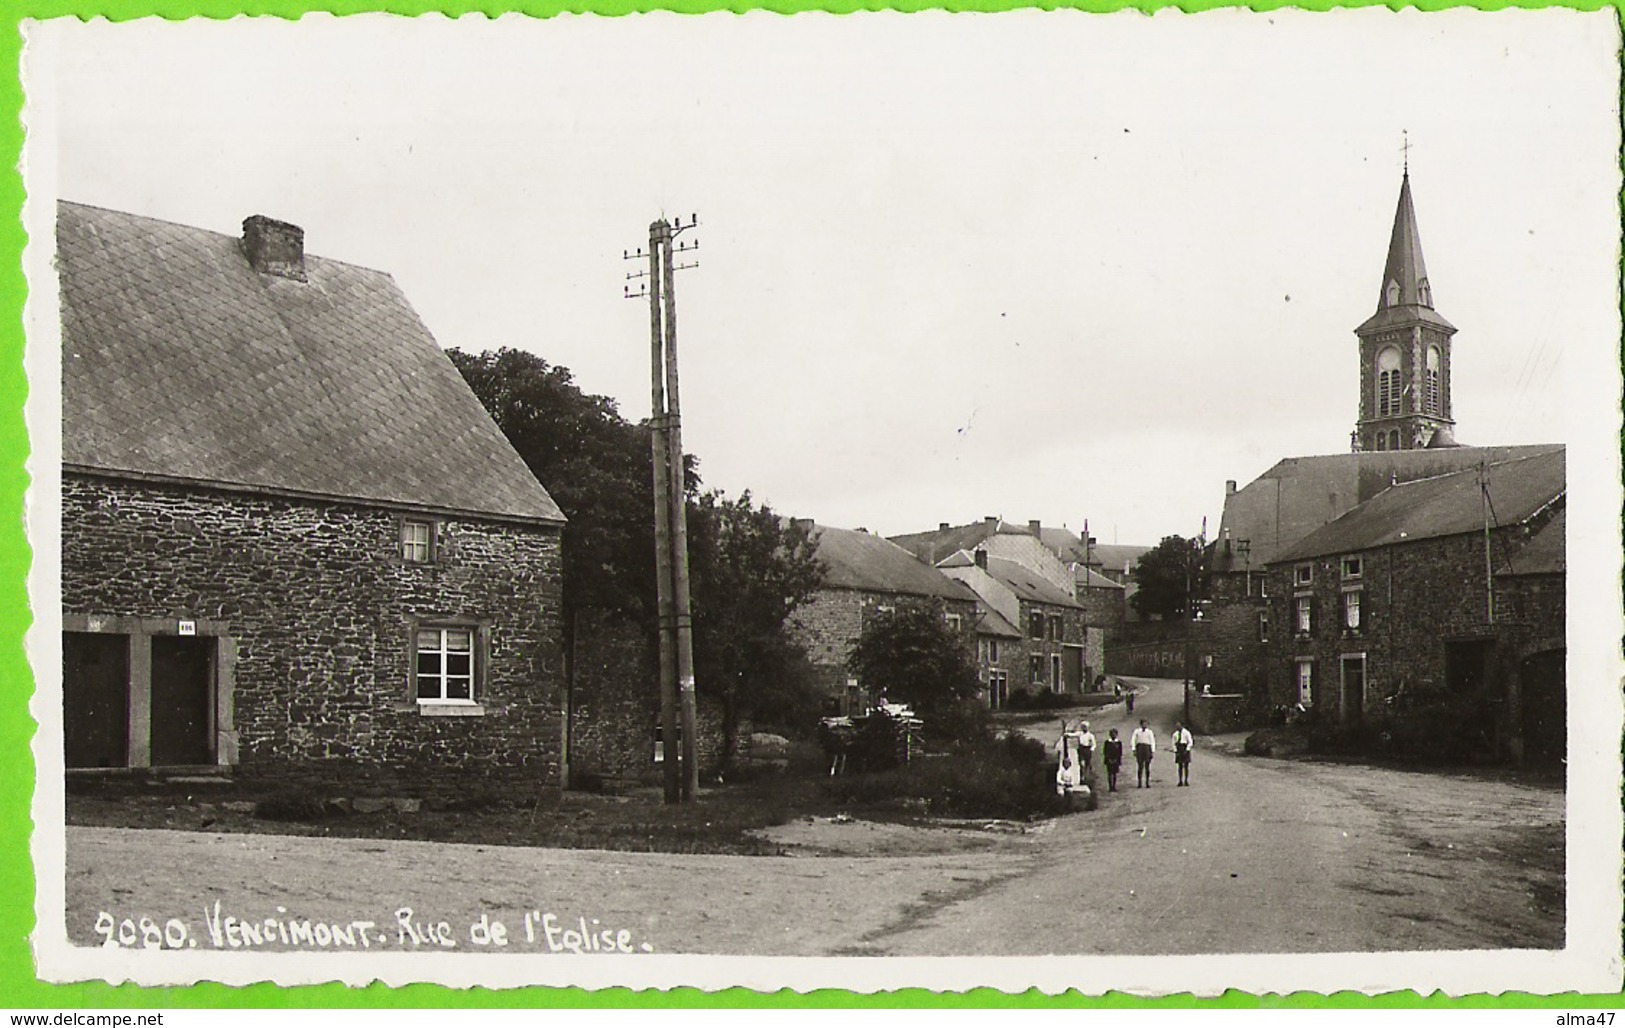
[1021, 699]
[1008, 777]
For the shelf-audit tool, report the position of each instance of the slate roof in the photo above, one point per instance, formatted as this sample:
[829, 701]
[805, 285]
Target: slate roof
[994, 623]
[1545, 552]
[935, 545]
[181, 362]
[1406, 269]
[861, 560]
[1069, 547]
[1090, 579]
[1446, 505]
[1299, 494]
[1027, 584]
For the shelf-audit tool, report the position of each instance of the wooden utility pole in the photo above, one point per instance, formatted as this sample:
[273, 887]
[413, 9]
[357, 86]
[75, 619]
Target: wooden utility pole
[678, 713]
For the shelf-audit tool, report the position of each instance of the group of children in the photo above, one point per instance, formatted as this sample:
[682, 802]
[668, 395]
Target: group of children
[1070, 776]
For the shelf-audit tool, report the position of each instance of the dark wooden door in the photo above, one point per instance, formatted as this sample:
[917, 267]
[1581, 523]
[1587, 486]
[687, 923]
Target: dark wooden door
[95, 699]
[1545, 725]
[182, 700]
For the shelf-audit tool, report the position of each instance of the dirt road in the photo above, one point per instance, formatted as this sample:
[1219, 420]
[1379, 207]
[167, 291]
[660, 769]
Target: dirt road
[1257, 855]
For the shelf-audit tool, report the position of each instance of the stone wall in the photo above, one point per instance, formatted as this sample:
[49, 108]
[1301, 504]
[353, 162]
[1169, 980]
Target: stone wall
[615, 705]
[1218, 713]
[319, 607]
[1417, 600]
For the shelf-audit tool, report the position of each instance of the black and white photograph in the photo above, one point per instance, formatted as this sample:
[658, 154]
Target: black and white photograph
[1035, 499]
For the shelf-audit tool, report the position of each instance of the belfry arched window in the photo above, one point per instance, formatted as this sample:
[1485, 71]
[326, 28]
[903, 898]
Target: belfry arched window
[1430, 398]
[1387, 382]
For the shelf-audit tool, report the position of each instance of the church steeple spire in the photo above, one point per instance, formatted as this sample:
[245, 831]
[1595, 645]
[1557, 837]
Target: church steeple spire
[1404, 349]
[1405, 276]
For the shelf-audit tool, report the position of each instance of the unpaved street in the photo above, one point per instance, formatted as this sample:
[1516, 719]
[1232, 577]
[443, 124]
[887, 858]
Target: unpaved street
[1258, 855]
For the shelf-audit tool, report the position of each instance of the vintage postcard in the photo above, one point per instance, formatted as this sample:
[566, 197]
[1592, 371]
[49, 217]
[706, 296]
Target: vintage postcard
[1107, 530]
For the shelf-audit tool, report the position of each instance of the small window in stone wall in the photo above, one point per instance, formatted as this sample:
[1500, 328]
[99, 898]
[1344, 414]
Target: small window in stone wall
[444, 665]
[1351, 610]
[1306, 681]
[1263, 626]
[1305, 608]
[1035, 626]
[1035, 665]
[417, 541]
[1353, 567]
[954, 622]
[1304, 574]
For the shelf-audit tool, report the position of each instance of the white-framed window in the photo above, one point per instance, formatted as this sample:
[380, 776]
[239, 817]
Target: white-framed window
[1264, 626]
[1351, 610]
[1036, 626]
[1035, 666]
[1305, 611]
[992, 647]
[443, 664]
[955, 622]
[417, 541]
[1303, 574]
[1353, 567]
[1055, 670]
[1306, 680]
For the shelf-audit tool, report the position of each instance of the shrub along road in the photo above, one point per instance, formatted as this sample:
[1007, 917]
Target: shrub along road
[1258, 855]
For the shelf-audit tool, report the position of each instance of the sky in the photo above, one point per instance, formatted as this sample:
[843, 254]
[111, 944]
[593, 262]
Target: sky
[1052, 266]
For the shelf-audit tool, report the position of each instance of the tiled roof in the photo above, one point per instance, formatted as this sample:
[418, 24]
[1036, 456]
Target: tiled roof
[1450, 504]
[861, 560]
[1544, 553]
[1299, 494]
[180, 361]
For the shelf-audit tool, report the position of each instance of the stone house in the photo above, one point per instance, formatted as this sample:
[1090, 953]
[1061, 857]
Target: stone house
[866, 576]
[1446, 587]
[1058, 651]
[1275, 512]
[294, 546]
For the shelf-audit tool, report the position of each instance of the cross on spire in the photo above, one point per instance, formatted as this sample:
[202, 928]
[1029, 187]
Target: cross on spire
[1405, 148]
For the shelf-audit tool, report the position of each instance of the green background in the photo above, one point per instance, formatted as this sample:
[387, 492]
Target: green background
[19, 988]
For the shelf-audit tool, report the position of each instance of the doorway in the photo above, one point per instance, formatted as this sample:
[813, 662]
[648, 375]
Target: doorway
[182, 700]
[95, 699]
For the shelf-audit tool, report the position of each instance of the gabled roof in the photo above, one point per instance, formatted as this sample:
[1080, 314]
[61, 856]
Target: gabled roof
[860, 560]
[1069, 547]
[1027, 584]
[1406, 293]
[1299, 494]
[1450, 504]
[932, 547]
[994, 623]
[1089, 579]
[181, 362]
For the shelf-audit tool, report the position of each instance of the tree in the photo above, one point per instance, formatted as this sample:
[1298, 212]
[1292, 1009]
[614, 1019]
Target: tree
[1167, 576]
[596, 465]
[749, 570]
[914, 657]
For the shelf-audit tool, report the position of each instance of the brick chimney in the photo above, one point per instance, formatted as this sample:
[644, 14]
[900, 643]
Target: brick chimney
[1230, 487]
[274, 247]
[1034, 526]
[981, 558]
[942, 526]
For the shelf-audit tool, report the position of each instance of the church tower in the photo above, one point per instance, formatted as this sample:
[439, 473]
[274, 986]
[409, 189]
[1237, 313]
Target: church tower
[1404, 351]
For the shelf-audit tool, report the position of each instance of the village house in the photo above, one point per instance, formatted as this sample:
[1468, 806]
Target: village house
[294, 546]
[867, 576]
[1057, 651]
[1445, 588]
